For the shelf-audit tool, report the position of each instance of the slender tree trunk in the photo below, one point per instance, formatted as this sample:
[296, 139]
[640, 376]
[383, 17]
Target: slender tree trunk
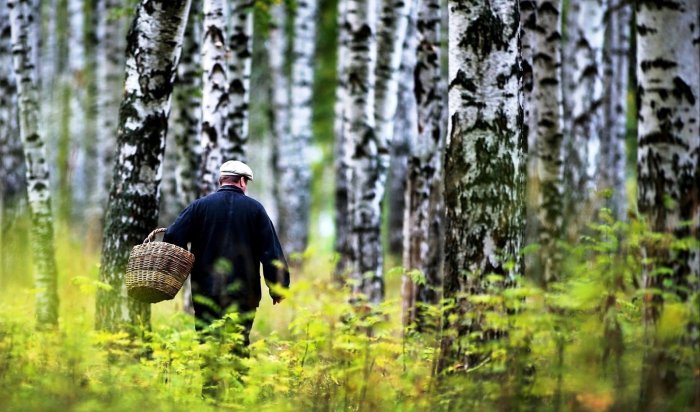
[667, 169]
[424, 197]
[77, 106]
[484, 163]
[187, 113]
[277, 50]
[88, 152]
[12, 184]
[239, 65]
[587, 36]
[153, 51]
[24, 21]
[617, 61]
[292, 159]
[548, 123]
[342, 159]
[215, 95]
[366, 151]
[111, 38]
[405, 129]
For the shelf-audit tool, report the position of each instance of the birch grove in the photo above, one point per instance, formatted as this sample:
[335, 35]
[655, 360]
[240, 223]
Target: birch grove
[484, 161]
[152, 55]
[24, 25]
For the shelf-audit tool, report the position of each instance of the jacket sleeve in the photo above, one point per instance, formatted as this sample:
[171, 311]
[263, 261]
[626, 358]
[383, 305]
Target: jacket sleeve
[275, 268]
[179, 233]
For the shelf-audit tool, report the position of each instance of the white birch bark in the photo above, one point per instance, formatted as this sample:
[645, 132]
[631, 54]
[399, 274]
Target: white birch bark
[240, 35]
[363, 148]
[588, 37]
[342, 165]
[24, 21]
[617, 61]
[78, 107]
[292, 159]
[484, 161]
[548, 123]
[152, 55]
[423, 225]
[668, 89]
[668, 174]
[279, 92]
[215, 96]
[405, 129]
[111, 43]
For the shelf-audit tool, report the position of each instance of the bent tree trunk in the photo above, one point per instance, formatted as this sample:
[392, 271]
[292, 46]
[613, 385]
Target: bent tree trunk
[292, 160]
[364, 148]
[215, 95]
[152, 55]
[424, 196]
[24, 22]
[484, 162]
[668, 153]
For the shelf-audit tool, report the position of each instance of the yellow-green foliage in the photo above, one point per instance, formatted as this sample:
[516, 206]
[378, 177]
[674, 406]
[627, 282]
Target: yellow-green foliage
[317, 351]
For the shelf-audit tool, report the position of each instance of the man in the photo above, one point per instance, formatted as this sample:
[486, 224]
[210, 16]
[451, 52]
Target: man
[230, 236]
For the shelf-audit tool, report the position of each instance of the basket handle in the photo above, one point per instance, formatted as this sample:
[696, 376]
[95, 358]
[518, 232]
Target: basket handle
[153, 234]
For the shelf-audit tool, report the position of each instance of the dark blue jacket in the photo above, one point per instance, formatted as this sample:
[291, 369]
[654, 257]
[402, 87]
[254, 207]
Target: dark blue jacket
[230, 236]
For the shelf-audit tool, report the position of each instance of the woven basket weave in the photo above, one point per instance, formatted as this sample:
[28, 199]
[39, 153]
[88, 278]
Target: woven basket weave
[157, 270]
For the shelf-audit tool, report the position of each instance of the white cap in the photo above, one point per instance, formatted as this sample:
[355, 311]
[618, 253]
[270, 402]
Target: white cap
[236, 168]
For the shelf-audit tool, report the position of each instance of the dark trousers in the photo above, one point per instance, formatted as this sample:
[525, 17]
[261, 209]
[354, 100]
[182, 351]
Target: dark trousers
[213, 372]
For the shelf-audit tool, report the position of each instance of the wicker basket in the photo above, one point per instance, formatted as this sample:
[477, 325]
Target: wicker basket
[157, 270]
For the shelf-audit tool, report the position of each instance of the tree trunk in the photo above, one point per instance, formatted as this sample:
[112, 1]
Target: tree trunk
[484, 162]
[668, 57]
[153, 51]
[215, 95]
[342, 165]
[239, 65]
[24, 21]
[617, 61]
[548, 123]
[587, 37]
[405, 129]
[111, 36]
[277, 50]
[367, 152]
[424, 194]
[292, 159]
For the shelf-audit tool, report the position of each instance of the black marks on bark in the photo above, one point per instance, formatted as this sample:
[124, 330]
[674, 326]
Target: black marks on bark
[485, 34]
[659, 63]
[681, 90]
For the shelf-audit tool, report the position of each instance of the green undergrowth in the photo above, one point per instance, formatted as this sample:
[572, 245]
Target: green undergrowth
[579, 344]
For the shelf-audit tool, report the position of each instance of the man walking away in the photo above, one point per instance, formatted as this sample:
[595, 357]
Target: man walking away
[230, 236]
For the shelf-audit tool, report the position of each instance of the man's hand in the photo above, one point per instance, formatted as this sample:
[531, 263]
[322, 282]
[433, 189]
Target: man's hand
[277, 299]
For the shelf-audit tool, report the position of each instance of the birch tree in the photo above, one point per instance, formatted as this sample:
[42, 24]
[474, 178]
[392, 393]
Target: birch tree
[153, 51]
[617, 61]
[277, 46]
[423, 224]
[548, 123]
[587, 35]
[24, 22]
[79, 139]
[484, 161]
[111, 43]
[342, 166]
[215, 95]
[292, 159]
[405, 128]
[363, 148]
[240, 41]
[667, 167]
